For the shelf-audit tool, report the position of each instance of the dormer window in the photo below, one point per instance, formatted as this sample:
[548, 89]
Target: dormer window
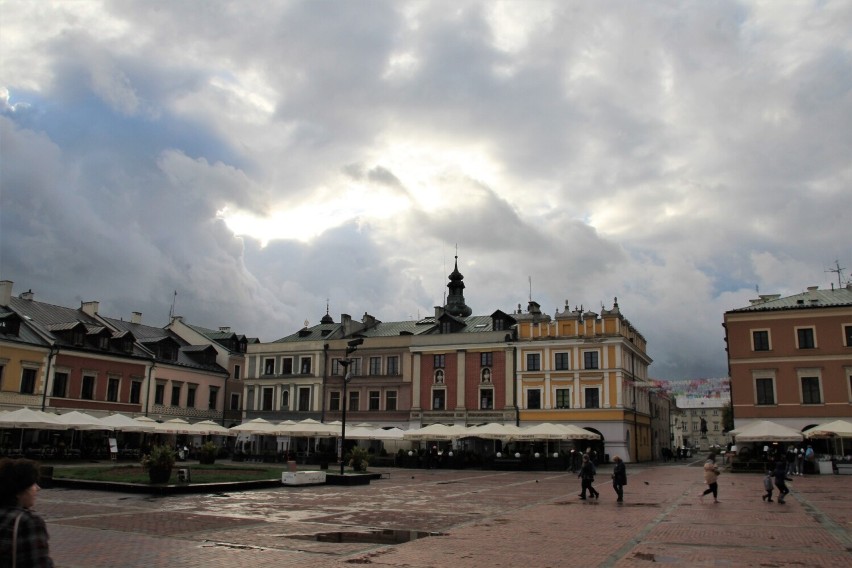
[446, 327]
[103, 342]
[77, 337]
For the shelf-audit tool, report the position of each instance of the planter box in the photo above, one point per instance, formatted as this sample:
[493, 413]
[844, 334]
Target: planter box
[844, 468]
[825, 467]
[303, 478]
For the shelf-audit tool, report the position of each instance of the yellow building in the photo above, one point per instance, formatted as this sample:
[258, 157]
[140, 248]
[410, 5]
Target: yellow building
[586, 369]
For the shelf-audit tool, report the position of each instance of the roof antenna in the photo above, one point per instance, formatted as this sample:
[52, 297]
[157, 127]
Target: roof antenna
[530, 280]
[172, 309]
[839, 271]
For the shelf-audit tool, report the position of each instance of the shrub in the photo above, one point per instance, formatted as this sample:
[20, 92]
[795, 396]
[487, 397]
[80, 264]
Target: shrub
[162, 457]
[358, 459]
[207, 453]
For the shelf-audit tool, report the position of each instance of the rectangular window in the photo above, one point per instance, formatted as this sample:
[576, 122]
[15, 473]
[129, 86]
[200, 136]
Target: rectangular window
[375, 400]
[590, 360]
[304, 399]
[266, 397]
[237, 370]
[305, 366]
[439, 399]
[390, 400]
[60, 384]
[563, 398]
[87, 392]
[375, 366]
[760, 339]
[810, 390]
[805, 336]
[486, 399]
[354, 401]
[135, 392]
[393, 365]
[28, 381]
[534, 399]
[250, 399]
[112, 389]
[533, 362]
[440, 361]
[336, 368]
[561, 362]
[285, 399]
[765, 390]
[235, 401]
[190, 396]
[269, 366]
[593, 397]
[287, 366]
[212, 398]
[486, 359]
[160, 394]
[847, 331]
[175, 395]
[334, 400]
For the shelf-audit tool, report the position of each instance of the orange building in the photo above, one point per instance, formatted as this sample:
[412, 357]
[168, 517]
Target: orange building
[790, 359]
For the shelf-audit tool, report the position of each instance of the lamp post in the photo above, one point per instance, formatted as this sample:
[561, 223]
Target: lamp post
[347, 376]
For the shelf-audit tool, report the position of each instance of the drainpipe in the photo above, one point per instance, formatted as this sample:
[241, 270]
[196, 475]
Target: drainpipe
[324, 380]
[54, 350]
[148, 387]
[515, 386]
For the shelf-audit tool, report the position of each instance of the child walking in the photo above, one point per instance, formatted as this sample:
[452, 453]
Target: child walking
[768, 486]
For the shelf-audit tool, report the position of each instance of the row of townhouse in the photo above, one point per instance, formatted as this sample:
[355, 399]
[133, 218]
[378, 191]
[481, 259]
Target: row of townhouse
[579, 367]
[59, 359]
[790, 358]
[524, 368]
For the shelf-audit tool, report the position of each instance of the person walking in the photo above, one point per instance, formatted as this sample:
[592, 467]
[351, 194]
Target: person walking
[23, 534]
[791, 460]
[781, 479]
[619, 478]
[711, 476]
[587, 477]
[768, 486]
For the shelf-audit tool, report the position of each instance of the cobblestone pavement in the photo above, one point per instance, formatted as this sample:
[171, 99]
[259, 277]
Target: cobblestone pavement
[462, 518]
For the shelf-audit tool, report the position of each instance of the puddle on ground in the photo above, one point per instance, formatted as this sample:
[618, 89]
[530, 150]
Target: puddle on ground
[382, 536]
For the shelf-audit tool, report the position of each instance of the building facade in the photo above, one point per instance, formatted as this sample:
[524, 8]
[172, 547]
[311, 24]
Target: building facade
[790, 358]
[702, 421]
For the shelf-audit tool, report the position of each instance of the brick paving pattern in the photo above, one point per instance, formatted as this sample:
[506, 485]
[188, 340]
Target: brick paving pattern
[478, 519]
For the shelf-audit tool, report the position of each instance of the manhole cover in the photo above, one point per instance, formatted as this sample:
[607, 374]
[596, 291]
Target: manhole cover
[382, 536]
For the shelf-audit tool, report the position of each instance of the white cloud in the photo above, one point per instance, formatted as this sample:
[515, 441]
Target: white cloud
[264, 161]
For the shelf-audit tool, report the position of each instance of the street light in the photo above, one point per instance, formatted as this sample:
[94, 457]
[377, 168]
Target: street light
[346, 361]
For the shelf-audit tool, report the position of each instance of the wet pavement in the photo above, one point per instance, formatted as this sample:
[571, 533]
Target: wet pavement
[468, 518]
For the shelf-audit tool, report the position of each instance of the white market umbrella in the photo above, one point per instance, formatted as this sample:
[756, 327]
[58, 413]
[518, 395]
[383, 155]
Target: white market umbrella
[838, 428]
[210, 428]
[493, 431]
[577, 433]
[387, 434]
[31, 419]
[125, 423]
[766, 431]
[82, 421]
[310, 428]
[544, 431]
[174, 426]
[256, 426]
[436, 432]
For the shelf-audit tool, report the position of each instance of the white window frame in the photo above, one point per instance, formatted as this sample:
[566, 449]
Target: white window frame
[810, 372]
[764, 374]
[583, 358]
[483, 389]
[527, 361]
[555, 398]
[768, 339]
[527, 391]
[435, 390]
[600, 397]
[814, 334]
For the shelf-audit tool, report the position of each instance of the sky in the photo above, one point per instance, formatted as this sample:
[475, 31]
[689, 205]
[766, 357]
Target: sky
[271, 160]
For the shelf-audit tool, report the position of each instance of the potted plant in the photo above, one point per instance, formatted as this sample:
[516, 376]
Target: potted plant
[207, 453]
[358, 459]
[159, 462]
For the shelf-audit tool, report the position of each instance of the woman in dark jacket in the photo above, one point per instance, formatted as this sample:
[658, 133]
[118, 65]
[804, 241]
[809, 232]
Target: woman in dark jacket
[781, 479]
[587, 475]
[23, 534]
[619, 478]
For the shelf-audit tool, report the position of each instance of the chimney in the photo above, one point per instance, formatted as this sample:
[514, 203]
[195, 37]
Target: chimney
[5, 292]
[28, 295]
[136, 317]
[90, 308]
